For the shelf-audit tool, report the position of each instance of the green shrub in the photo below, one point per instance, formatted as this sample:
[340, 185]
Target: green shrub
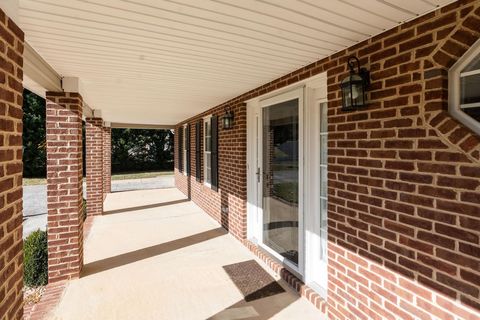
[36, 259]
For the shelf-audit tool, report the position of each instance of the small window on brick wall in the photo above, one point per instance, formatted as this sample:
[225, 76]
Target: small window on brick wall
[464, 89]
[185, 150]
[207, 166]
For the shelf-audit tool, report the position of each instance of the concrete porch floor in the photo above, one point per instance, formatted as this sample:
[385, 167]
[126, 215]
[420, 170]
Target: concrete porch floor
[156, 255]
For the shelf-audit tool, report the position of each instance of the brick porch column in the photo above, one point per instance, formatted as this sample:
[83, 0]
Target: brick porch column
[94, 163]
[64, 185]
[107, 160]
[11, 167]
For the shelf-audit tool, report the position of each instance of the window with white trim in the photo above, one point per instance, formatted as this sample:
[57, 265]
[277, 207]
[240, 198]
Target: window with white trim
[323, 183]
[207, 151]
[464, 89]
[185, 154]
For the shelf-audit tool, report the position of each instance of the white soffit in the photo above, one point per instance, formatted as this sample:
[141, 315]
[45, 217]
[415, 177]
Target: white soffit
[161, 61]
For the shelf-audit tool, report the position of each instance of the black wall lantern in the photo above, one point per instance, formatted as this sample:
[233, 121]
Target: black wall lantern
[354, 87]
[227, 120]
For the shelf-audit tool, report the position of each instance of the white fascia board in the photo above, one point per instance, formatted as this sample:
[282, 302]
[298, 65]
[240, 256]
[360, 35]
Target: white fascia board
[38, 73]
[87, 112]
[72, 84]
[33, 86]
[97, 113]
[39, 77]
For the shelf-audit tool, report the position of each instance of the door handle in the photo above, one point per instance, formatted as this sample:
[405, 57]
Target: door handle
[258, 175]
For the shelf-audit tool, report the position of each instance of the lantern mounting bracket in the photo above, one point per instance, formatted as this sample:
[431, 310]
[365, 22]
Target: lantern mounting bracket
[362, 72]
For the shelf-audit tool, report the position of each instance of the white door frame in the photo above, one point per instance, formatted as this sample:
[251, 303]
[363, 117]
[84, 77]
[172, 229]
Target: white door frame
[297, 93]
[316, 267]
[315, 90]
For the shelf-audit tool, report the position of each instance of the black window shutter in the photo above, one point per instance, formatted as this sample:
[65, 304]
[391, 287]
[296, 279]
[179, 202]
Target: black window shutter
[198, 151]
[187, 141]
[180, 149]
[215, 153]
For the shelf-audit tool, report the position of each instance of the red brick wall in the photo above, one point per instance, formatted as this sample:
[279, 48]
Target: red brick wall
[232, 173]
[404, 192]
[94, 162]
[404, 176]
[11, 167]
[107, 160]
[64, 185]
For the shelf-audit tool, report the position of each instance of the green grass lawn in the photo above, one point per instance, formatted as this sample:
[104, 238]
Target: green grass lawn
[140, 175]
[34, 181]
[116, 176]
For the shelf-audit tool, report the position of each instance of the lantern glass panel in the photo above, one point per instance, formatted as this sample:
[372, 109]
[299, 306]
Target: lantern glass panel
[357, 94]
[347, 102]
[353, 93]
[227, 120]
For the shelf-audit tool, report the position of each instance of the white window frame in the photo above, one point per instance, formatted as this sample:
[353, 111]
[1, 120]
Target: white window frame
[454, 89]
[184, 151]
[207, 119]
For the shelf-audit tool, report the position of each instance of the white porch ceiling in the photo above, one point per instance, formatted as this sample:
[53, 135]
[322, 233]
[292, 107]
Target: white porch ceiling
[161, 61]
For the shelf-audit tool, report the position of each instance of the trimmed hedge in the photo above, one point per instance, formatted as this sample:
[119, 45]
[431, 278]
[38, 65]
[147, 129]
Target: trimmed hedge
[36, 259]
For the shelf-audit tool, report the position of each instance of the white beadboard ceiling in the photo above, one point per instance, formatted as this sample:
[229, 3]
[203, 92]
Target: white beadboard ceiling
[161, 61]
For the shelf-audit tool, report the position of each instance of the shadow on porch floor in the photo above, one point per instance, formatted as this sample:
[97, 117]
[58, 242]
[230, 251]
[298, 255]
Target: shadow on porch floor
[164, 258]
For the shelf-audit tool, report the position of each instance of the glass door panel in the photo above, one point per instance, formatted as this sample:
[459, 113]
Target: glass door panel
[281, 178]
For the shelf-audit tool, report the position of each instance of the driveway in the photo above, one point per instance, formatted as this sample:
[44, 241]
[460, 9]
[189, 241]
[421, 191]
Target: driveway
[160, 182]
[34, 208]
[35, 198]
[156, 255]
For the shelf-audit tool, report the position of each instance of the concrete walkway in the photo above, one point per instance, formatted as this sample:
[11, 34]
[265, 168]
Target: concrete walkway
[156, 255]
[35, 198]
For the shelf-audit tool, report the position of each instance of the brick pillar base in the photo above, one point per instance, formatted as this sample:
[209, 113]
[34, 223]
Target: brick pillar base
[11, 253]
[64, 185]
[107, 160]
[94, 163]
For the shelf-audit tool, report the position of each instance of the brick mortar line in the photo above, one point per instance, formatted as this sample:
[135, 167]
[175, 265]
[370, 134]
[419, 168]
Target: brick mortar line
[458, 26]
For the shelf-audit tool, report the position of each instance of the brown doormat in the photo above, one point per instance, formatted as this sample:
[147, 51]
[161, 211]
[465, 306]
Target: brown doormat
[252, 280]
